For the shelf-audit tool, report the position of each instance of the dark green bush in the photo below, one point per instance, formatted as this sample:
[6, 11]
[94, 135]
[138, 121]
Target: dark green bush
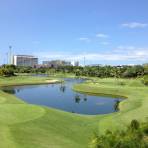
[7, 72]
[133, 137]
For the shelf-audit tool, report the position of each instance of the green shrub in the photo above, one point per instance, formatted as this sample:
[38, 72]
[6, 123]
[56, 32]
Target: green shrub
[134, 125]
[133, 137]
[7, 72]
[145, 79]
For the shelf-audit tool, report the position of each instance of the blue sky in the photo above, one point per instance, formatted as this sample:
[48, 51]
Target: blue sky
[104, 31]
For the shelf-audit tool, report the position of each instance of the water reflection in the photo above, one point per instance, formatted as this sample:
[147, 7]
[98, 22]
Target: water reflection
[61, 96]
[77, 99]
[9, 90]
[52, 85]
[18, 90]
[85, 98]
[116, 105]
[62, 88]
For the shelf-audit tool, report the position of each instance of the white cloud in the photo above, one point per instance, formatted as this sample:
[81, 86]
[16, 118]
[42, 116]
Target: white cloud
[124, 53]
[121, 47]
[132, 53]
[101, 35]
[84, 39]
[133, 25]
[104, 43]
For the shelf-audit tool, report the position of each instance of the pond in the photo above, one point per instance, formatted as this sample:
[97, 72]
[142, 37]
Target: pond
[61, 96]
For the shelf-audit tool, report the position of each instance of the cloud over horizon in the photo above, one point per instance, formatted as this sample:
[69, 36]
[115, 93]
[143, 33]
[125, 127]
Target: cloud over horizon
[133, 25]
[121, 53]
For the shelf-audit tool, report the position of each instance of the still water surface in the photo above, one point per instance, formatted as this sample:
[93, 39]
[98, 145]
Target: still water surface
[61, 96]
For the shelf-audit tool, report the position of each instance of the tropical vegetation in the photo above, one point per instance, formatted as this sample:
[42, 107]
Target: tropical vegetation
[30, 126]
[89, 71]
[135, 136]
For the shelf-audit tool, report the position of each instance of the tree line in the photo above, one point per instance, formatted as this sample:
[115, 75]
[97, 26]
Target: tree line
[89, 71]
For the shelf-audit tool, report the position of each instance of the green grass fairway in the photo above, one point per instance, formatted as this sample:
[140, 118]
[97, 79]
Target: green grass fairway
[135, 105]
[22, 80]
[29, 126]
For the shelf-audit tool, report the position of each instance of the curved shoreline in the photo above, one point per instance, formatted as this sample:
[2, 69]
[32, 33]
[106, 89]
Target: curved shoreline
[30, 82]
[24, 84]
[71, 91]
[99, 94]
[132, 101]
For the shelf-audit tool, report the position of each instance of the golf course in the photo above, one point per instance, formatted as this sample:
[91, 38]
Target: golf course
[32, 126]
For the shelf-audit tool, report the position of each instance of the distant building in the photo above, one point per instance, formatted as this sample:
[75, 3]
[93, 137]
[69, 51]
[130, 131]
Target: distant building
[95, 65]
[56, 63]
[75, 63]
[25, 60]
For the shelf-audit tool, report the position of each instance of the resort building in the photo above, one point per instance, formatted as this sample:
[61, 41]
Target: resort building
[56, 63]
[75, 63]
[25, 60]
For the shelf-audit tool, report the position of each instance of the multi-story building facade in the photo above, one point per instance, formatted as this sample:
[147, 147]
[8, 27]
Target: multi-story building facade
[75, 63]
[56, 63]
[25, 60]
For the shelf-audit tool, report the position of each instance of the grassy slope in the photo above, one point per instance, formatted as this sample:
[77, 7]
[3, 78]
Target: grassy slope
[29, 126]
[21, 80]
[134, 107]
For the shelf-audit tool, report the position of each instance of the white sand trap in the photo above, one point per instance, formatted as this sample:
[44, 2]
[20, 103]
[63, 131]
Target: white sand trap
[52, 81]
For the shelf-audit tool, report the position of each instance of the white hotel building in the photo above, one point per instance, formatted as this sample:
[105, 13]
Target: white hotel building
[25, 60]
